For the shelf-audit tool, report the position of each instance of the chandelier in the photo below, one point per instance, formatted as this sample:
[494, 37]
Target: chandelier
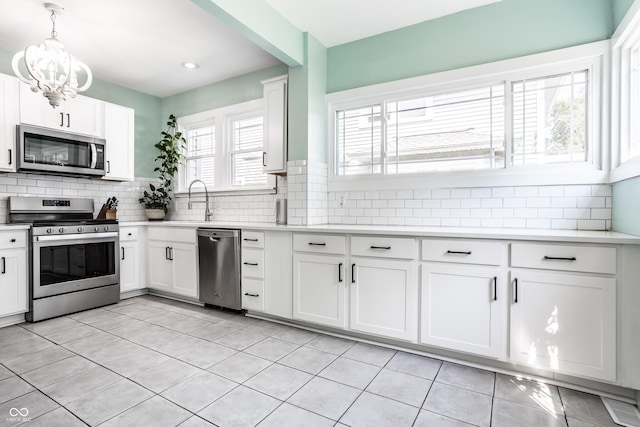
[51, 69]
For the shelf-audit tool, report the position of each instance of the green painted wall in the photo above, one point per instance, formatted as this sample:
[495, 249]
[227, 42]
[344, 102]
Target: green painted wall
[626, 206]
[228, 92]
[502, 30]
[620, 8]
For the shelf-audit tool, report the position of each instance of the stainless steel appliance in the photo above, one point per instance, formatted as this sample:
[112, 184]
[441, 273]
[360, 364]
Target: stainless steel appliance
[43, 150]
[281, 211]
[74, 263]
[219, 267]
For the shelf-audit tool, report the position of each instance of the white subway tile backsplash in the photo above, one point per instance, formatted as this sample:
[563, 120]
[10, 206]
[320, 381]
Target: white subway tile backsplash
[480, 193]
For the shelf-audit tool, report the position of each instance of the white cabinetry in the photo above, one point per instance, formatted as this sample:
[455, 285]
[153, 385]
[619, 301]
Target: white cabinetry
[80, 115]
[319, 282]
[173, 260]
[564, 322]
[253, 297]
[275, 125]
[119, 131]
[132, 259]
[383, 288]
[8, 121]
[13, 272]
[464, 303]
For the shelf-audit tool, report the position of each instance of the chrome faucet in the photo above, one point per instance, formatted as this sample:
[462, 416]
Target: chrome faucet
[207, 212]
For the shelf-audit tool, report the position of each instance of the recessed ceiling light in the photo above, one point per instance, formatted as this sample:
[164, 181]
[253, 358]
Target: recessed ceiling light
[190, 65]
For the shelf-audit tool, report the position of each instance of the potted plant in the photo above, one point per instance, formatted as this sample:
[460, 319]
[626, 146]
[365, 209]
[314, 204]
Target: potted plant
[156, 201]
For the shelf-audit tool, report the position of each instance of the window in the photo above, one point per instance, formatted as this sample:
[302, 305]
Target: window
[530, 115]
[224, 149]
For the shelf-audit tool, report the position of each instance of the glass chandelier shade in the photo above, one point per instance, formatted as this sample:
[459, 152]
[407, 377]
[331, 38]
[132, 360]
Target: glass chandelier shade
[50, 68]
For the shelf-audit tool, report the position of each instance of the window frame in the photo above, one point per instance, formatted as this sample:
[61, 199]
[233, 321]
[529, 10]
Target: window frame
[624, 40]
[221, 118]
[593, 57]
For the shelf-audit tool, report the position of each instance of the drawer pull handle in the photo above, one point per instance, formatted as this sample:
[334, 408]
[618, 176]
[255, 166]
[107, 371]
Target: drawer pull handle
[317, 244]
[515, 291]
[560, 258]
[128, 234]
[4, 265]
[384, 248]
[122, 258]
[353, 273]
[495, 288]
[251, 295]
[13, 240]
[250, 263]
[250, 240]
[459, 252]
[340, 266]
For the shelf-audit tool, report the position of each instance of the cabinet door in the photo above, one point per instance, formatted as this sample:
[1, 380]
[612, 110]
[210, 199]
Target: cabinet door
[464, 308]
[184, 259]
[35, 110]
[275, 125]
[277, 282]
[160, 266]
[129, 264]
[119, 134]
[13, 282]
[564, 323]
[8, 121]
[384, 297]
[83, 115]
[319, 289]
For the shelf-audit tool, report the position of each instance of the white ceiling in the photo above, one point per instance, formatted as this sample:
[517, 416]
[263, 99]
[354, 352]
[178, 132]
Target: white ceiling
[335, 22]
[140, 44]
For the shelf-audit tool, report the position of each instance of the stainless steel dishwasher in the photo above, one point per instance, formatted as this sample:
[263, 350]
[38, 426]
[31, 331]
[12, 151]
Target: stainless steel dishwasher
[219, 267]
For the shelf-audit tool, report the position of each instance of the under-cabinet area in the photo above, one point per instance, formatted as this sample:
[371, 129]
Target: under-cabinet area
[547, 307]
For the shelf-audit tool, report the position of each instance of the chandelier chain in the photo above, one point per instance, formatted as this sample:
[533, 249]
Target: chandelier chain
[54, 34]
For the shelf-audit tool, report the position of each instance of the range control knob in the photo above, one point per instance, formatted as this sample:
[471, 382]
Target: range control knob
[106, 228]
[61, 229]
[49, 231]
[79, 229]
[97, 229]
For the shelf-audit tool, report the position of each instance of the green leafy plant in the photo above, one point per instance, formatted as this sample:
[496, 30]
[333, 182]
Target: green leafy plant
[171, 147]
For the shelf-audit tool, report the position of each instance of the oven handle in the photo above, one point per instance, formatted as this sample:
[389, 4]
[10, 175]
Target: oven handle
[93, 158]
[92, 236]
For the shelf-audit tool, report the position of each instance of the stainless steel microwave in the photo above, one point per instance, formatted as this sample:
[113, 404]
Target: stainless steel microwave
[42, 150]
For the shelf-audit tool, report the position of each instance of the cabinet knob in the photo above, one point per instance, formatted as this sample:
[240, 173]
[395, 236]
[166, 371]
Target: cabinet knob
[13, 240]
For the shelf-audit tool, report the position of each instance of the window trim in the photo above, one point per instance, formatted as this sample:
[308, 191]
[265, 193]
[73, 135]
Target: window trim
[221, 119]
[626, 36]
[593, 57]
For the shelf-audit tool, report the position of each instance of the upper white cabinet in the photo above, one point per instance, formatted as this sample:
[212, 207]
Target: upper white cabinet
[76, 115]
[275, 125]
[9, 104]
[119, 130]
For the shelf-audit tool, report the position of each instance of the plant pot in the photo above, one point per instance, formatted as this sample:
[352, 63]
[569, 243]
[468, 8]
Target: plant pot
[154, 214]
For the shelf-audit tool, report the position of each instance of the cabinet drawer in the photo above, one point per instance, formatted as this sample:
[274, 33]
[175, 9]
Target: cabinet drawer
[588, 259]
[383, 247]
[253, 263]
[464, 251]
[319, 243]
[252, 294]
[13, 239]
[252, 239]
[173, 234]
[128, 234]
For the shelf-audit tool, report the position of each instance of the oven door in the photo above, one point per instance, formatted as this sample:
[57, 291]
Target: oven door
[74, 262]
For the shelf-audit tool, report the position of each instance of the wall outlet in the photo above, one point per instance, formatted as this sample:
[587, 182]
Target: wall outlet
[342, 200]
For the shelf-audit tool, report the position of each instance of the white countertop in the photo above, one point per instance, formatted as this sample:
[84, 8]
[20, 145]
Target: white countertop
[9, 227]
[583, 236]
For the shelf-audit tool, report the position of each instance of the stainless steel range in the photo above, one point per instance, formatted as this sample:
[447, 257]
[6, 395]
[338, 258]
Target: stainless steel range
[73, 257]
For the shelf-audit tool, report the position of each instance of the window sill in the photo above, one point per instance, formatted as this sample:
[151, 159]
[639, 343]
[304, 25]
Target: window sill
[469, 179]
[627, 170]
[234, 192]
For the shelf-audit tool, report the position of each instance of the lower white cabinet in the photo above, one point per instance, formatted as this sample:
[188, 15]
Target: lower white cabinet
[13, 272]
[384, 298]
[464, 308]
[132, 259]
[173, 263]
[319, 284]
[565, 323]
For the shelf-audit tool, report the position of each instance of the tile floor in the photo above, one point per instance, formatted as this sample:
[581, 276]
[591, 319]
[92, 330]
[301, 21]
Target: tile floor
[149, 361]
